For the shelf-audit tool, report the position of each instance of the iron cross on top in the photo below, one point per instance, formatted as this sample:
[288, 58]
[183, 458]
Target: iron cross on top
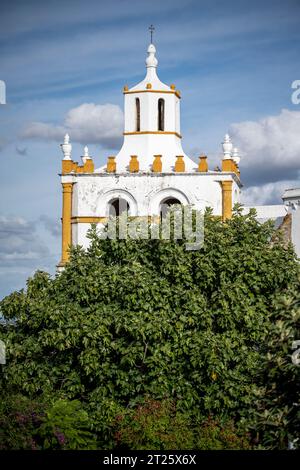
[151, 29]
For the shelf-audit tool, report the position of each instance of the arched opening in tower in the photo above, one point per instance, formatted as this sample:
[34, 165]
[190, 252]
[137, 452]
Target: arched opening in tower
[138, 115]
[161, 114]
[117, 207]
[166, 204]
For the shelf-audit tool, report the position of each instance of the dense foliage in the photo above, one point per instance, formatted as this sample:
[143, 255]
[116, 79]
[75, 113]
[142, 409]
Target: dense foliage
[134, 318]
[160, 425]
[278, 414]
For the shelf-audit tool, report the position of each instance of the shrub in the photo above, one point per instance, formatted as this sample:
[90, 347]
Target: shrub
[161, 425]
[134, 318]
[153, 425]
[20, 419]
[66, 426]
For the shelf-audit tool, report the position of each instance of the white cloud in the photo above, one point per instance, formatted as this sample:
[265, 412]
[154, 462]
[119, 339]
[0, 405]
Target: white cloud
[24, 248]
[87, 123]
[273, 141]
[266, 194]
[51, 224]
[18, 241]
[43, 131]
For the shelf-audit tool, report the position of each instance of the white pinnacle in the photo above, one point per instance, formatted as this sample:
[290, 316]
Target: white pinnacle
[227, 147]
[86, 155]
[151, 60]
[66, 147]
[236, 156]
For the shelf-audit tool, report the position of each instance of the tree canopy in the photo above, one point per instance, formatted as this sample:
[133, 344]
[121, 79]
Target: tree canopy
[129, 319]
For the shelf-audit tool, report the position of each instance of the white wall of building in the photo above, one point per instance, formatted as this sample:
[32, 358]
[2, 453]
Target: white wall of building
[144, 193]
[291, 199]
[91, 194]
[268, 212]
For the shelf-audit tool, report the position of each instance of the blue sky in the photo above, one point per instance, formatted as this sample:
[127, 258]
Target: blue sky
[234, 63]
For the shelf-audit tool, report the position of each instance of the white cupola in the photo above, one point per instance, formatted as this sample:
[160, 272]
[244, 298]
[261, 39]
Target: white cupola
[152, 123]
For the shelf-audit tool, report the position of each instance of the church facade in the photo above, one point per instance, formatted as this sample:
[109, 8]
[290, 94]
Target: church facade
[150, 172]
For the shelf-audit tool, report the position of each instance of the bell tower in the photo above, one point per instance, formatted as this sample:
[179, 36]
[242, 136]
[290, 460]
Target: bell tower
[149, 173]
[152, 122]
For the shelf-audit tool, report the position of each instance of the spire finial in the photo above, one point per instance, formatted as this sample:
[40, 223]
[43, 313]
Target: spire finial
[86, 156]
[66, 148]
[151, 29]
[151, 60]
[227, 147]
[236, 155]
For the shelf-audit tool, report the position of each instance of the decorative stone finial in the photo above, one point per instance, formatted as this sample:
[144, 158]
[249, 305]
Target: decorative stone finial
[86, 155]
[151, 60]
[134, 165]
[236, 156]
[227, 147]
[179, 164]
[66, 148]
[111, 166]
[202, 165]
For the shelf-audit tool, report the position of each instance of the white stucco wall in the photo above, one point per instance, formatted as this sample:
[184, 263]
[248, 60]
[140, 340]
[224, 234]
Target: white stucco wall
[291, 199]
[149, 111]
[144, 194]
[268, 212]
[296, 230]
[145, 146]
[91, 193]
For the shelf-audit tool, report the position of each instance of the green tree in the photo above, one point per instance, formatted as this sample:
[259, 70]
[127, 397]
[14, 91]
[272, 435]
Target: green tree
[130, 318]
[278, 416]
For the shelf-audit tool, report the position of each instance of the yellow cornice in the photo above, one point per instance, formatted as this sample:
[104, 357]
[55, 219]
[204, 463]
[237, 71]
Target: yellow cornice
[174, 92]
[153, 132]
[69, 166]
[88, 220]
[103, 220]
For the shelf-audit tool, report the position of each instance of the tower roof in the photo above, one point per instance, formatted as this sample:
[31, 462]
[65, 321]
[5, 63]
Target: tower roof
[151, 75]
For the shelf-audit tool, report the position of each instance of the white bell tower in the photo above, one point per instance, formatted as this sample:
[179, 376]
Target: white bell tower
[150, 172]
[152, 123]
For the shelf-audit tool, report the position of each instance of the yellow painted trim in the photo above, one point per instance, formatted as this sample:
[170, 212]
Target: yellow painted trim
[202, 165]
[88, 167]
[68, 166]
[174, 92]
[103, 220]
[153, 132]
[226, 200]
[179, 164]
[230, 166]
[66, 222]
[134, 165]
[88, 220]
[157, 164]
[111, 166]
